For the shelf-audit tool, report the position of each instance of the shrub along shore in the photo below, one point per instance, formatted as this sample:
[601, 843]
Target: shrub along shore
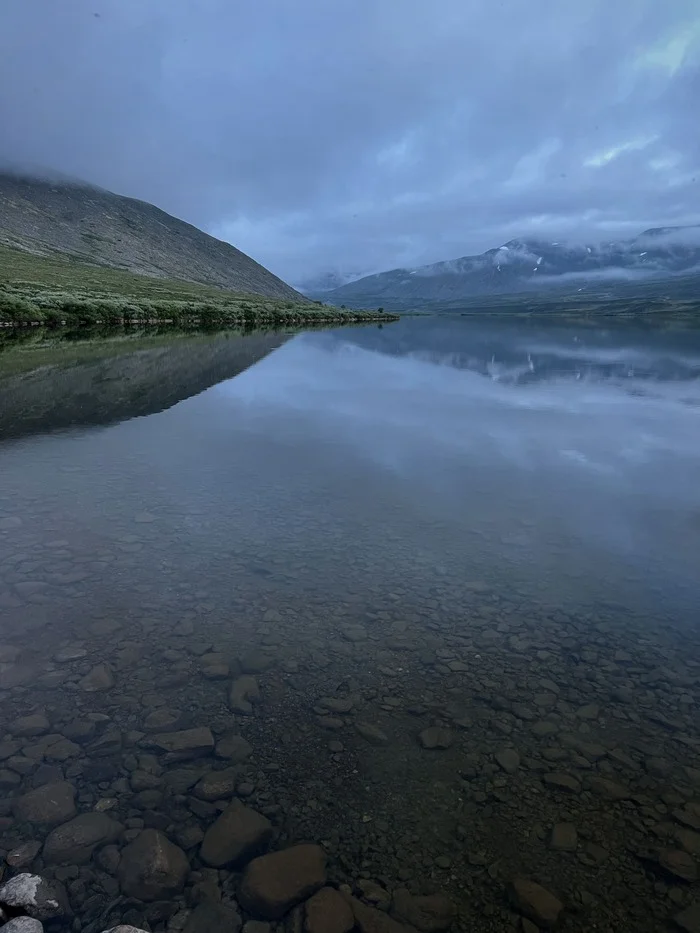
[55, 292]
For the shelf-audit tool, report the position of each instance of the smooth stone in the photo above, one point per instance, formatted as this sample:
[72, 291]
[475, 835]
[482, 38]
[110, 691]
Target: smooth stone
[372, 920]
[152, 868]
[559, 780]
[26, 726]
[237, 835]
[213, 917]
[435, 737]
[51, 803]
[687, 920]
[535, 902]
[328, 912]
[163, 720]
[99, 678]
[508, 759]
[183, 745]
[74, 842]
[429, 913]
[272, 884]
[233, 747]
[371, 733]
[243, 694]
[564, 837]
[23, 855]
[217, 785]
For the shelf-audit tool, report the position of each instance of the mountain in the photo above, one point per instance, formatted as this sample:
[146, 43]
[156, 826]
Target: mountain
[326, 282]
[522, 265]
[57, 215]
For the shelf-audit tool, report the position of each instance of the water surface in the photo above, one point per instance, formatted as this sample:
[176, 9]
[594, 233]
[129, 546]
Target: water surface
[429, 544]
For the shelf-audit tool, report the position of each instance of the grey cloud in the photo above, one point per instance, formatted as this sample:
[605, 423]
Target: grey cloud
[365, 134]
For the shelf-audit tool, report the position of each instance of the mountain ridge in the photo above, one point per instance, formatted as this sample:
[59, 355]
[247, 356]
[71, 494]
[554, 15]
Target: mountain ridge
[524, 264]
[53, 215]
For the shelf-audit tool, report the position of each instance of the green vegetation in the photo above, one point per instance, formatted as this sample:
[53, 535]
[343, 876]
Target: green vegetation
[56, 291]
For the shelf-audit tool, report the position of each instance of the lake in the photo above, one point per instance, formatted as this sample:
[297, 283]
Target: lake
[426, 595]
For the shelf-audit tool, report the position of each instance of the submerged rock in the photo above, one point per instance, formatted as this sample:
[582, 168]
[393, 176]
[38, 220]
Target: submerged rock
[51, 803]
[239, 834]
[328, 912]
[535, 902]
[152, 867]
[37, 897]
[429, 913]
[272, 884]
[74, 842]
[243, 694]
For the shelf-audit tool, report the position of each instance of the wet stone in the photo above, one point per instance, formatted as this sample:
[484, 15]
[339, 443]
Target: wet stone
[435, 738]
[23, 855]
[38, 898]
[152, 867]
[184, 745]
[535, 902]
[429, 913]
[23, 925]
[163, 720]
[564, 837]
[243, 694]
[608, 789]
[217, 785]
[688, 920]
[98, 679]
[508, 759]
[327, 911]
[237, 835]
[50, 803]
[372, 733]
[272, 884]
[560, 780]
[74, 842]
[35, 724]
[372, 920]
[234, 748]
[212, 917]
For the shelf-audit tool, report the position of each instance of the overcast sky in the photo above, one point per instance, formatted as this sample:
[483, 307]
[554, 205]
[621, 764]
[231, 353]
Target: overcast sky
[361, 135]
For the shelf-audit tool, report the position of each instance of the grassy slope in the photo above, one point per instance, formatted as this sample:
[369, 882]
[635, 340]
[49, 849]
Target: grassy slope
[57, 290]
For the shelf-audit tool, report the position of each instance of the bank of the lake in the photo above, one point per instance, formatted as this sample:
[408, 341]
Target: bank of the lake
[55, 291]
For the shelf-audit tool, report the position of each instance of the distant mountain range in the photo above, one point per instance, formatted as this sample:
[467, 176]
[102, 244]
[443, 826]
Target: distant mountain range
[56, 215]
[523, 265]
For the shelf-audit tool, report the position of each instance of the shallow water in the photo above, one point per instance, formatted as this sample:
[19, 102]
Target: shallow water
[485, 529]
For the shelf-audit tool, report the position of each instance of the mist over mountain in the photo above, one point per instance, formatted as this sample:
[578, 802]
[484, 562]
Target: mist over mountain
[522, 265]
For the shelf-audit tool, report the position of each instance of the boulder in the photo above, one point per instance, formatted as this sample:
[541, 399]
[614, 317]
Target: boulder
[217, 785]
[183, 745]
[212, 917]
[99, 678]
[152, 868]
[53, 803]
[429, 914]
[239, 834]
[272, 884]
[25, 726]
[535, 902]
[243, 693]
[37, 897]
[23, 925]
[74, 842]
[328, 912]
[371, 920]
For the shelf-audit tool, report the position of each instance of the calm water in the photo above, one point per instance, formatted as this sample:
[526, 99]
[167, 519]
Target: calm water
[441, 576]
